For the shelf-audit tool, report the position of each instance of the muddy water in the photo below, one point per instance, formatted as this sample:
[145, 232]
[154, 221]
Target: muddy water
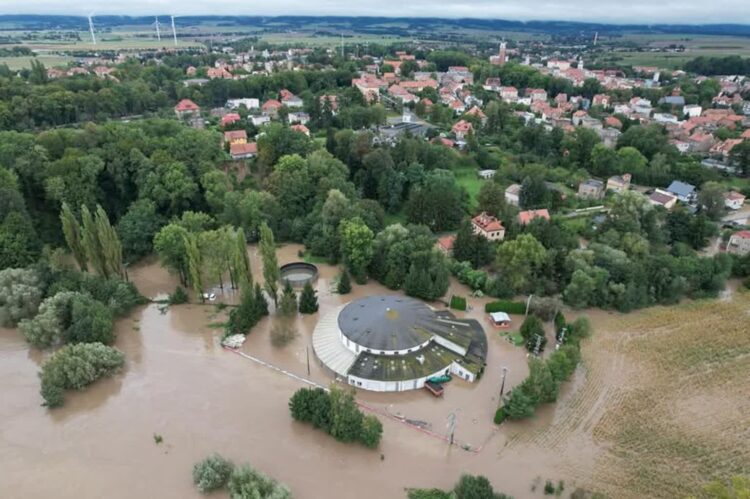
[179, 383]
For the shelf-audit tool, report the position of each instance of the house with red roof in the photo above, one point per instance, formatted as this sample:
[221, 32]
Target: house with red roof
[662, 198]
[739, 243]
[525, 217]
[288, 99]
[214, 73]
[419, 85]
[733, 200]
[186, 108]
[229, 118]
[271, 107]
[475, 111]
[488, 227]
[509, 94]
[243, 151]
[235, 137]
[445, 244]
[300, 128]
[462, 129]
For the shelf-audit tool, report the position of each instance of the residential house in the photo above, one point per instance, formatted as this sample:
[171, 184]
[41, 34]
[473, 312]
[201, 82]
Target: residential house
[260, 120]
[229, 118]
[525, 217]
[370, 87]
[301, 129]
[692, 110]
[300, 117]
[512, 194]
[235, 137]
[619, 183]
[401, 94]
[739, 243]
[475, 111]
[462, 129]
[419, 85]
[612, 122]
[186, 108]
[249, 103]
[243, 151]
[288, 99]
[487, 226]
[445, 244]
[214, 73]
[724, 148]
[486, 174]
[591, 189]
[509, 94]
[601, 100]
[683, 191]
[700, 142]
[662, 198]
[673, 100]
[536, 94]
[733, 200]
[271, 107]
[492, 85]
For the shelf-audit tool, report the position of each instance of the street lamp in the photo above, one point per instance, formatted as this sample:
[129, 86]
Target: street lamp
[502, 385]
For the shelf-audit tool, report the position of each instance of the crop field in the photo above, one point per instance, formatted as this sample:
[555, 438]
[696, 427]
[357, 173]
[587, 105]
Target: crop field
[663, 405]
[17, 63]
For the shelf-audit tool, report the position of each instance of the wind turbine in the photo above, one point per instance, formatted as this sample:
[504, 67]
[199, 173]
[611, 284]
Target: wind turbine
[156, 25]
[91, 28]
[174, 32]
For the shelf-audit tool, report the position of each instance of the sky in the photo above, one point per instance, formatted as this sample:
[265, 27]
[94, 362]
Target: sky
[610, 11]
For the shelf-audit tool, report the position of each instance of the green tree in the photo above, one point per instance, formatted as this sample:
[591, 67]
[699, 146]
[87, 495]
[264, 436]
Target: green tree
[519, 259]
[344, 286]
[212, 473]
[740, 157]
[371, 432]
[247, 483]
[474, 487]
[20, 295]
[76, 366]
[520, 405]
[711, 198]
[346, 418]
[491, 198]
[137, 229]
[308, 301]
[288, 302]
[532, 329]
[90, 322]
[194, 260]
[270, 263]
[356, 246]
[241, 262]
[169, 244]
[73, 236]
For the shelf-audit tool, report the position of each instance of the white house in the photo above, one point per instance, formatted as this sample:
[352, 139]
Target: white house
[249, 103]
[733, 200]
[261, 119]
[512, 194]
[692, 110]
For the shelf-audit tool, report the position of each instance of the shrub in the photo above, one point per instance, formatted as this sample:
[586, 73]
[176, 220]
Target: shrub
[20, 295]
[545, 307]
[76, 366]
[560, 322]
[344, 286]
[90, 322]
[178, 297]
[308, 301]
[371, 432]
[458, 302]
[248, 483]
[532, 329]
[507, 306]
[118, 295]
[48, 327]
[212, 473]
[549, 488]
[288, 302]
[500, 415]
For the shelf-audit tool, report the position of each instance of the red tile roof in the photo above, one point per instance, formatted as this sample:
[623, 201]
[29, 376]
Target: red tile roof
[525, 217]
[487, 223]
[243, 149]
[462, 126]
[744, 234]
[229, 118]
[446, 242]
[186, 105]
[235, 135]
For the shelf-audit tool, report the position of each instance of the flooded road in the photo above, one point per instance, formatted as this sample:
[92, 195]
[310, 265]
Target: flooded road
[180, 384]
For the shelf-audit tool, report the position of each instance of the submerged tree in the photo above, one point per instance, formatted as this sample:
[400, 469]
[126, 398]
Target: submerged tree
[344, 286]
[288, 302]
[73, 236]
[194, 264]
[270, 263]
[308, 301]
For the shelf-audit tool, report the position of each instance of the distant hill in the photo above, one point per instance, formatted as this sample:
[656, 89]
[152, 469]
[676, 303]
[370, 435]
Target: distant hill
[409, 25]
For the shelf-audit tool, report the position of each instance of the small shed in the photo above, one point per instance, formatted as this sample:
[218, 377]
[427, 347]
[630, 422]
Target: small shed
[500, 319]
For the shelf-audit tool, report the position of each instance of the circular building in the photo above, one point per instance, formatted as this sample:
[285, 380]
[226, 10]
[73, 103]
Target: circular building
[298, 274]
[395, 343]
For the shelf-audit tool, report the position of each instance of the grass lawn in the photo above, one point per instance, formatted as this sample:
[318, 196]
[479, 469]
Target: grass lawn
[468, 179]
[18, 63]
[308, 258]
[514, 338]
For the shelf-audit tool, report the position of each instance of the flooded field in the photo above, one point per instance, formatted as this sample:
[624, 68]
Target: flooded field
[180, 384]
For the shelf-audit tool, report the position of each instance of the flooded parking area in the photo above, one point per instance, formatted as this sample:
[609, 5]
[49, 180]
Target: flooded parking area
[180, 384]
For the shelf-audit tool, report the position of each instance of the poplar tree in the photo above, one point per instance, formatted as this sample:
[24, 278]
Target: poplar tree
[241, 263]
[195, 264]
[92, 244]
[270, 263]
[73, 236]
[109, 243]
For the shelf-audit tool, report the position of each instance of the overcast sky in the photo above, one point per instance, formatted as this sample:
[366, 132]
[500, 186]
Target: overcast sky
[615, 11]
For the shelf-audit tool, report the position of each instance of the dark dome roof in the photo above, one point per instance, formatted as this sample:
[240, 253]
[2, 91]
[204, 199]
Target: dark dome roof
[388, 322]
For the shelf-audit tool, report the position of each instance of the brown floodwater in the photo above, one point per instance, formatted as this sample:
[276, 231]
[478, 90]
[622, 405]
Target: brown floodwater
[180, 384]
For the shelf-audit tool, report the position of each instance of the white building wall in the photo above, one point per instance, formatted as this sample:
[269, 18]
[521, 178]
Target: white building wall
[449, 345]
[394, 386]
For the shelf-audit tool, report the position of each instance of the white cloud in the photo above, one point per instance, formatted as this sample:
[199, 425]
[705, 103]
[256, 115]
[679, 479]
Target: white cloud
[614, 11]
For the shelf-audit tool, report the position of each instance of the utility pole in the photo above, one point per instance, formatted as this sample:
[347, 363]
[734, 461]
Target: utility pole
[528, 304]
[307, 353]
[502, 385]
[452, 425]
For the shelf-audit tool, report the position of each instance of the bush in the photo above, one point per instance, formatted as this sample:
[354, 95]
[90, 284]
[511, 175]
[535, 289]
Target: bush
[308, 301]
[532, 329]
[336, 413]
[500, 415]
[344, 286]
[20, 295]
[90, 322]
[212, 473]
[179, 296]
[48, 327]
[507, 306]
[76, 366]
[118, 295]
[458, 302]
[545, 308]
[247, 483]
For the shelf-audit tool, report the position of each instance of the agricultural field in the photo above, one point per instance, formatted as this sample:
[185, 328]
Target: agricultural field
[664, 405]
[17, 63]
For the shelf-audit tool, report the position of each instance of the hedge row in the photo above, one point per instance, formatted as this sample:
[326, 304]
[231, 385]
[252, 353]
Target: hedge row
[507, 306]
[458, 302]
